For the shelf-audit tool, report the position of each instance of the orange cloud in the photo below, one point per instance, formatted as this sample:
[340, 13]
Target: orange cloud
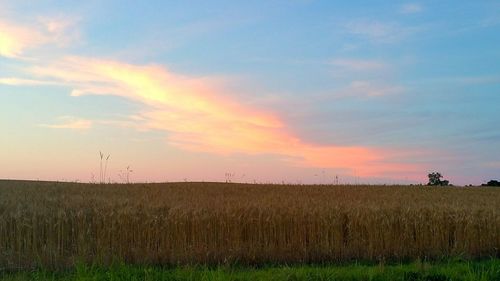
[200, 116]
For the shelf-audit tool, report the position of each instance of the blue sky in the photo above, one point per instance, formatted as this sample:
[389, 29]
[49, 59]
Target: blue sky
[281, 90]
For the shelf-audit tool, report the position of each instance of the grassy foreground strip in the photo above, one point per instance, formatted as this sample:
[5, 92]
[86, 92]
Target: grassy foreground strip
[457, 270]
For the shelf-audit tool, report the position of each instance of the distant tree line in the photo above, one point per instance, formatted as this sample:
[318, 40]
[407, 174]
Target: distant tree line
[435, 180]
[492, 183]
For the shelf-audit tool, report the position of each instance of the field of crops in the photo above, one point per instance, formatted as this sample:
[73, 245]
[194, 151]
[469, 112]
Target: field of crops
[58, 224]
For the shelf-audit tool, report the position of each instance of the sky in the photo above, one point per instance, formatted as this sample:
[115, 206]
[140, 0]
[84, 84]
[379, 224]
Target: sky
[298, 91]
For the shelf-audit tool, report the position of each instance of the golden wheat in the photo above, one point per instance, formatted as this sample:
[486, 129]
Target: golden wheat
[57, 224]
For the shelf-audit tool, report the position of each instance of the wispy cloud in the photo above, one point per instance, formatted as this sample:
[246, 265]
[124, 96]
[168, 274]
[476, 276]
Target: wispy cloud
[200, 116]
[494, 164]
[197, 112]
[364, 78]
[466, 80]
[379, 32]
[61, 31]
[68, 122]
[16, 38]
[411, 8]
[359, 64]
[371, 89]
[14, 81]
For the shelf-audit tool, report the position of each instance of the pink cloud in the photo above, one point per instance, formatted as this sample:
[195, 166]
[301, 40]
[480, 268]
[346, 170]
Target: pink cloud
[16, 39]
[200, 116]
[197, 113]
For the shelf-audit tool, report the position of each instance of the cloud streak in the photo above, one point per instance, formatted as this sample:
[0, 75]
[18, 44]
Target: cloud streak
[359, 64]
[14, 81]
[197, 113]
[372, 89]
[364, 78]
[411, 8]
[379, 32]
[71, 123]
[200, 116]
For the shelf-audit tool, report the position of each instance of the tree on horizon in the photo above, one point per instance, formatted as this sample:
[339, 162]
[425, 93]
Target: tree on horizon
[435, 179]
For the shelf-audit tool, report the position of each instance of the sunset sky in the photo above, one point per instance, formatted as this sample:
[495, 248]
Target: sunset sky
[295, 91]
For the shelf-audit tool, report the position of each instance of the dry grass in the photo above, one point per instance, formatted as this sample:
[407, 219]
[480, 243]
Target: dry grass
[56, 224]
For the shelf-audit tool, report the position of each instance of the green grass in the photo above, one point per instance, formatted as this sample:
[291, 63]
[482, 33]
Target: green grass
[487, 270]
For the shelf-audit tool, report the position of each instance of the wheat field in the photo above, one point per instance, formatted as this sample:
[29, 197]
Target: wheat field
[55, 225]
